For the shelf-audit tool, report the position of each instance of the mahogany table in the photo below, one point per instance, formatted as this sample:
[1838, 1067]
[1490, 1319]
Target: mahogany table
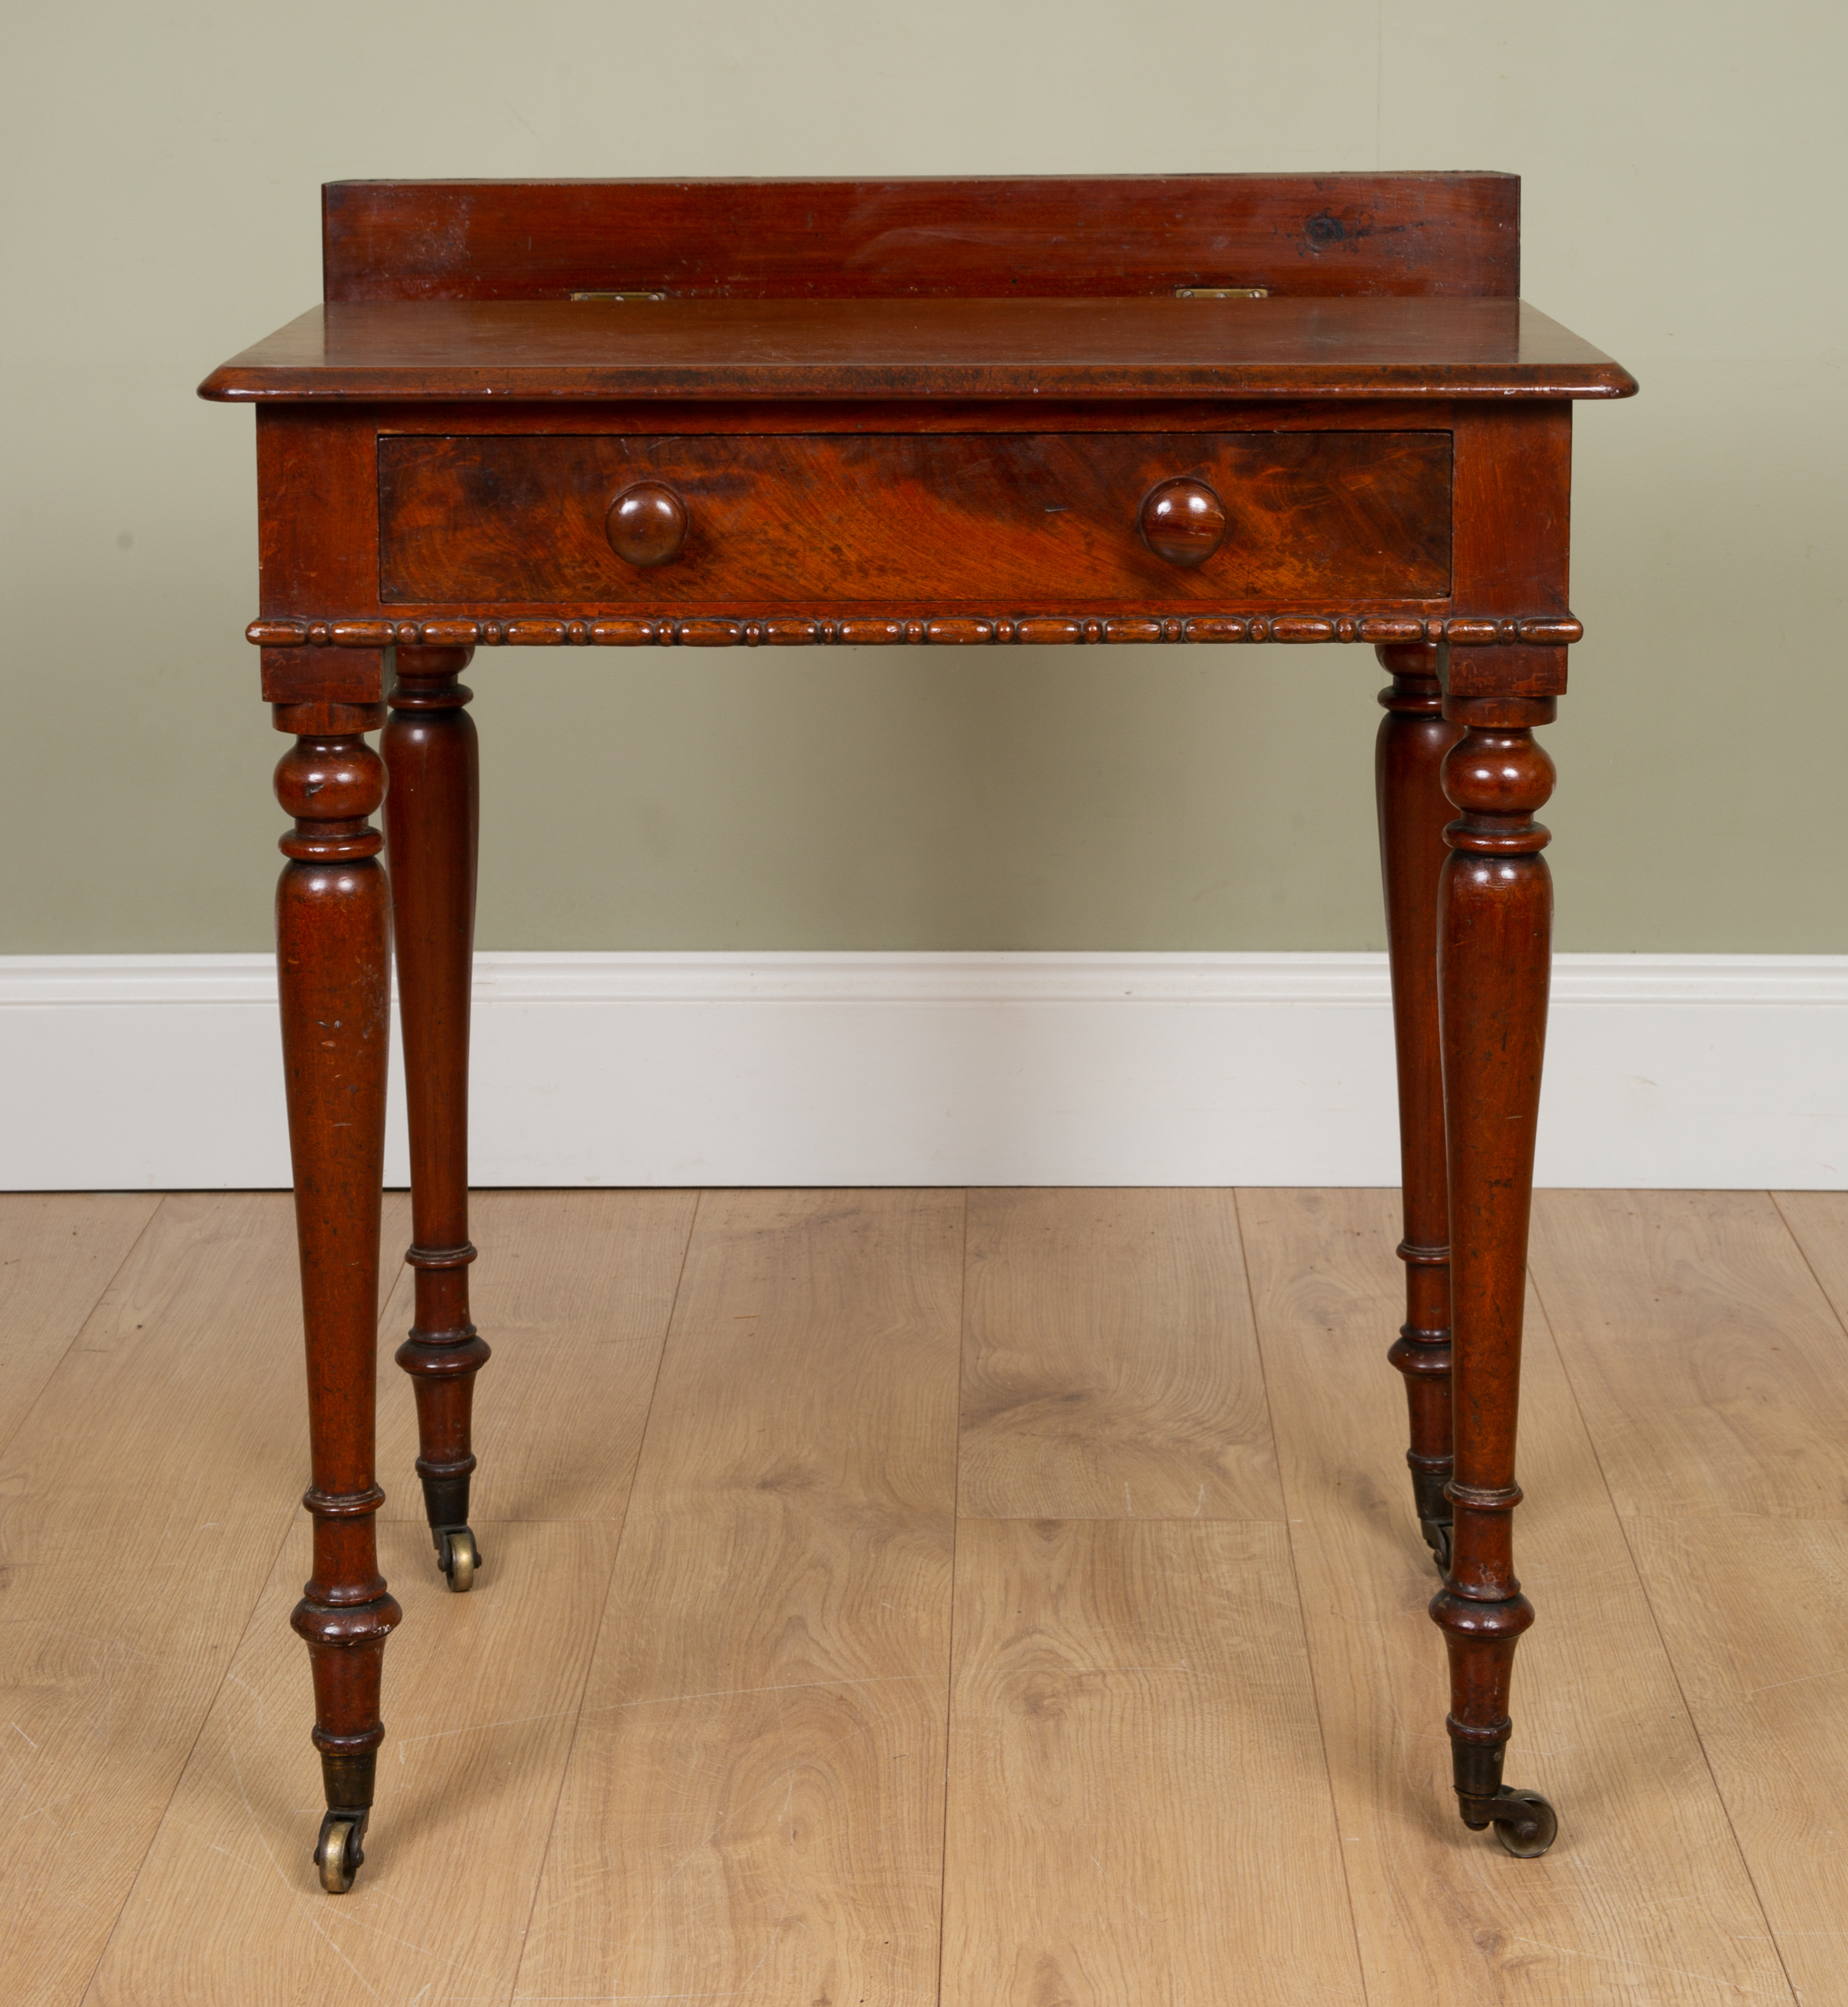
[1247, 409]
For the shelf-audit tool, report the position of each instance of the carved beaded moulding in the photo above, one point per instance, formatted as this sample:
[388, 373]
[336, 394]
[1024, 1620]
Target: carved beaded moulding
[1460, 631]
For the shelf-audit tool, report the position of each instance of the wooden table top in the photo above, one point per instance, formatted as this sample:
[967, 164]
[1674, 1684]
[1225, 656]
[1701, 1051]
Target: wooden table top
[1121, 347]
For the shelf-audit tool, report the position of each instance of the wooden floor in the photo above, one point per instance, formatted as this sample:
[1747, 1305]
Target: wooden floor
[1010, 1598]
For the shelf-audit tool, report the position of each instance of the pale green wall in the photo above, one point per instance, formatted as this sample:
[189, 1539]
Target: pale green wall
[1685, 173]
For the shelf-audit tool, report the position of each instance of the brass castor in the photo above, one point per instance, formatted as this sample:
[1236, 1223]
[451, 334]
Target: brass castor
[458, 1557]
[1524, 1823]
[1436, 1533]
[337, 1853]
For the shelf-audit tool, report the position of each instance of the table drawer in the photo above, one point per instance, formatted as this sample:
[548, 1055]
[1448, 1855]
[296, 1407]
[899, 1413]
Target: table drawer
[1003, 519]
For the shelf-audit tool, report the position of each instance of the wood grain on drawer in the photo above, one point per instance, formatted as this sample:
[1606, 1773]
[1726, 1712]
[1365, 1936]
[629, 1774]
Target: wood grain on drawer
[1000, 519]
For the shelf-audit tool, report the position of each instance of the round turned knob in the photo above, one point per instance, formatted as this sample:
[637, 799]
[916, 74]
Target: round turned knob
[646, 525]
[1183, 521]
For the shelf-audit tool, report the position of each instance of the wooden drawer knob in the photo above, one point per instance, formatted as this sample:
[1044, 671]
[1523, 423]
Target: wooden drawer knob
[646, 525]
[1183, 521]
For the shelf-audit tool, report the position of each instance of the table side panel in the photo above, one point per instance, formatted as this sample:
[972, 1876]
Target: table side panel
[318, 540]
[972, 519]
[1514, 487]
[317, 502]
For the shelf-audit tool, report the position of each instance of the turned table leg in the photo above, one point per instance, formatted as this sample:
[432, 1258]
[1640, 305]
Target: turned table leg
[1414, 738]
[431, 814]
[332, 932]
[1494, 954]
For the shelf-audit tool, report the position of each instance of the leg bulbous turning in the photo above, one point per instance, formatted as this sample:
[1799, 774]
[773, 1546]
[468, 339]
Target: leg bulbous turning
[432, 820]
[1494, 952]
[1414, 738]
[344, 1617]
[333, 928]
[1480, 1638]
[443, 1355]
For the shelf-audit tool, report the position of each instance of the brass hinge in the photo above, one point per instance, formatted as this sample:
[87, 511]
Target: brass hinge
[1222, 292]
[619, 296]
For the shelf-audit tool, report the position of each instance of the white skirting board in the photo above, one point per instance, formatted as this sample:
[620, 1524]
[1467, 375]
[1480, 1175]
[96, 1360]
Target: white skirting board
[163, 1072]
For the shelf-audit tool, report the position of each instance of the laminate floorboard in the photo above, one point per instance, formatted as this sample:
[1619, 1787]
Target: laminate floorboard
[1138, 1806]
[59, 1251]
[1644, 1899]
[690, 1734]
[1819, 1223]
[1755, 1611]
[1710, 1368]
[753, 1810]
[1111, 1370]
[142, 1501]
[1733, 1501]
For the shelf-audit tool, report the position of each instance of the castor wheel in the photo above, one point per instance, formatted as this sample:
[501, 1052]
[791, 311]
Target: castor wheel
[458, 1557]
[337, 1853]
[1524, 1823]
[1437, 1533]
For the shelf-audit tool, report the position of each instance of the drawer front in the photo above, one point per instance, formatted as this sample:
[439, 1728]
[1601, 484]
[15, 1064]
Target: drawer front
[1007, 519]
